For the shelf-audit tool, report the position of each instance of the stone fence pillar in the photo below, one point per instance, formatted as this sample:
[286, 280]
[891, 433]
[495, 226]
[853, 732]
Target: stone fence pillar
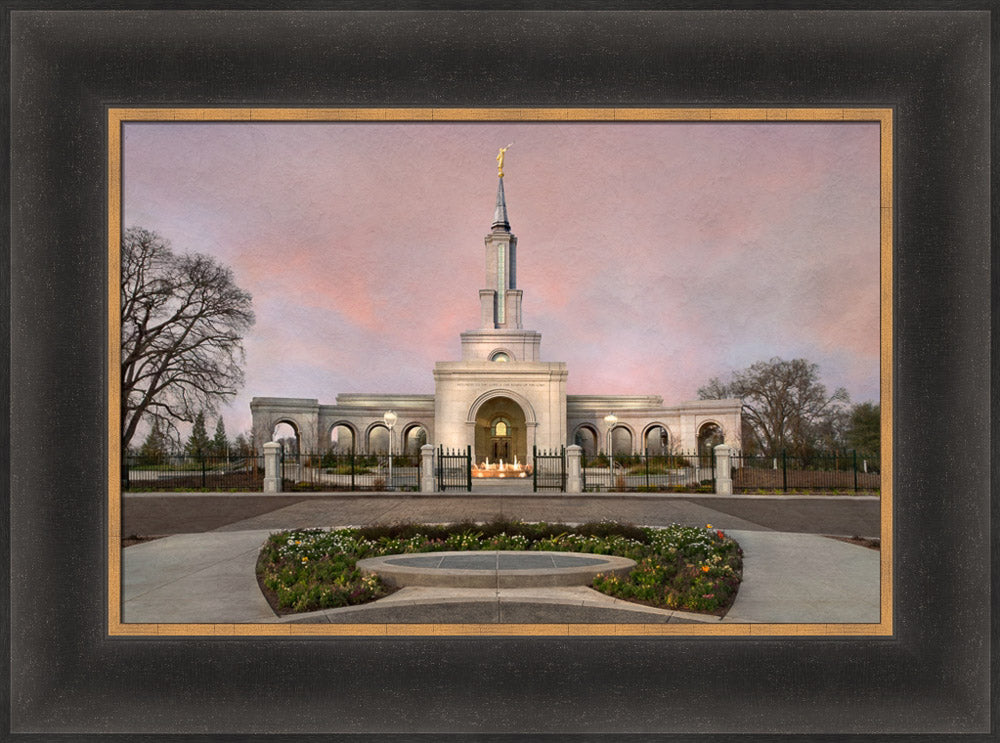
[723, 470]
[272, 467]
[574, 472]
[426, 468]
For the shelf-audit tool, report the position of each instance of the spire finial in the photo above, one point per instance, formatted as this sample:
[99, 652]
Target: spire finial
[503, 151]
[500, 215]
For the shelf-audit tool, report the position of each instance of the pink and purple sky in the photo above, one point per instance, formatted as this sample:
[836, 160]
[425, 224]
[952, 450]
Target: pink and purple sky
[652, 256]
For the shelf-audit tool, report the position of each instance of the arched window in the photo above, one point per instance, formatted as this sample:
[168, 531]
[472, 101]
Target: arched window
[378, 440]
[286, 434]
[709, 436]
[500, 427]
[586, 439]
[341, 439]
[621, 440]
[415, 438]
[500, 357]
[657, 441]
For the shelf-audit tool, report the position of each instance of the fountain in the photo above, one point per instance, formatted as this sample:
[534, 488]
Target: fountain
[501, 469]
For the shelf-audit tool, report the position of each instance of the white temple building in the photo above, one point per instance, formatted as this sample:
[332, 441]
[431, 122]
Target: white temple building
[501, 399]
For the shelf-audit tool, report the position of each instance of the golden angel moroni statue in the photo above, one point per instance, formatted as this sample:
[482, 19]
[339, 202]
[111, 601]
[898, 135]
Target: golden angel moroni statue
[503, 151]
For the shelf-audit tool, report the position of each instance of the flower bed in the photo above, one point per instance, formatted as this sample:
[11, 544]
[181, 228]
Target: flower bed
[678, 567]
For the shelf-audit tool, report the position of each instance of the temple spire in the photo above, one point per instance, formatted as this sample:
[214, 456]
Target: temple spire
[500, 299]
[500, 220]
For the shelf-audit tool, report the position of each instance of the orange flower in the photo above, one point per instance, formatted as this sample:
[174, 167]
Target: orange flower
[704, 568]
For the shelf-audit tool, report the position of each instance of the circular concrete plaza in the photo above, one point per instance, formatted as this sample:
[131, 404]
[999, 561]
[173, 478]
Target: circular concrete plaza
[202, 570]
[494, 569]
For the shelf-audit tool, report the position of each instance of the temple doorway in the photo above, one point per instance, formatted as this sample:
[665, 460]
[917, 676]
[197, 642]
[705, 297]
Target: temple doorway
[501, 433]
[500, 439]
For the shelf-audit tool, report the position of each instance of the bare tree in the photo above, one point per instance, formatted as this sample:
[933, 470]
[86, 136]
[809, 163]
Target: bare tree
[182, 326]
[784, 404]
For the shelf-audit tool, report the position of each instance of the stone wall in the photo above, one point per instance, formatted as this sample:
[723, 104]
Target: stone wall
[551, 417]
[360, 413]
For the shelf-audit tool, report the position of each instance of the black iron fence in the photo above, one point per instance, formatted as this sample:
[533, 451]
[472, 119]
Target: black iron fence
[549, 470]
[335, 471]
[848, 471]
[677, 471]
[299, 472]
[454, 468]
[192, 472]
[816, 471]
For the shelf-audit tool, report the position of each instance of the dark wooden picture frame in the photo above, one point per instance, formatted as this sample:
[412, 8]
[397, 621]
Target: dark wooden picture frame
[68, 675]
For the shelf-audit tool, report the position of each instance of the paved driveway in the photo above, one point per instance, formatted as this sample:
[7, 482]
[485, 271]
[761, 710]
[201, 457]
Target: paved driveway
[160, 514]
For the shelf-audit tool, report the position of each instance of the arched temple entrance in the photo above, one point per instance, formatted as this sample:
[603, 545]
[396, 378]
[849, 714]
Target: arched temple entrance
[501, 431]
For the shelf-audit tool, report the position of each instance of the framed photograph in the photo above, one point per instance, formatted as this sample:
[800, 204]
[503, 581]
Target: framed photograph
[178, 121]
[651, 276]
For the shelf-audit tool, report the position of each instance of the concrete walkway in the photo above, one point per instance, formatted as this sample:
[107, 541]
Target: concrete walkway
[564, 605]
[805, 578]
[195, 578]
[209, 578]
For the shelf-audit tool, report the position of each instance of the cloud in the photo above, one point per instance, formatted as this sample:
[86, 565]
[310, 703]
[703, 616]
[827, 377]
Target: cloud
[651, 256]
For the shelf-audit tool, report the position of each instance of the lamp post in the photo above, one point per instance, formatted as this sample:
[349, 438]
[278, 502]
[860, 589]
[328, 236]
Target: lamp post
[611, 419]
[390, 421]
